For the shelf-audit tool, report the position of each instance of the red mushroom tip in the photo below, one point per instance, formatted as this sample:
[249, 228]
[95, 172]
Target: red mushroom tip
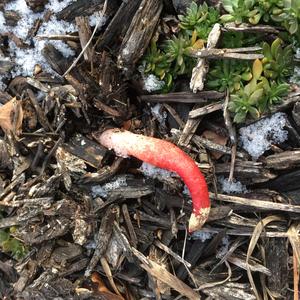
[197, 220]
[167, 156]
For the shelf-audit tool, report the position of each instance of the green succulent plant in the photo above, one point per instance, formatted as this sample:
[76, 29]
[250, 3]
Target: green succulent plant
[228, 74]
[288, 14]
[239, 11]
[257, 96]
[200, 18]
[172, 59]
[176, 50]
[277, 61]
[246, 100]
[155, 61]
[273, 94]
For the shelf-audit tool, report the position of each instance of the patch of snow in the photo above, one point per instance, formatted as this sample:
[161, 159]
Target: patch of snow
[2, 22]
[96, 17]
[18, 5]
[202, 235]
[259, 136]
[54, 26]
[103, 190]
[158, 112]
[152, 83]
[26, 59]
[231, 187]
[154, 172]
[58, 5]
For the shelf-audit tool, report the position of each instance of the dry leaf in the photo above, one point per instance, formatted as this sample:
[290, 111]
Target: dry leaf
[103, 290]
[11, 116]
[217, 139]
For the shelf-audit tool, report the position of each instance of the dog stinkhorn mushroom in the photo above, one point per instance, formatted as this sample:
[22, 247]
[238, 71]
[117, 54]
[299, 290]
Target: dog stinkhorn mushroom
[167, 156]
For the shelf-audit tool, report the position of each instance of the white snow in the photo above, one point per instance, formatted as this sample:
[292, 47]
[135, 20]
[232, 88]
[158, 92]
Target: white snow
[231, 187]
[96, 17]
[259, 136]
[2, 22]
[158, 112]
[152, 83]
[202, 235]
[27, 58]
[18, 5]
[154, 172]
[103, 190]
[57, 5]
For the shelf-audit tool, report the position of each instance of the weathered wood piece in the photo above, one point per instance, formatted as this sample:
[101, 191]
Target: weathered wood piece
[85, 8]
[202, 97]
[244, 27]
[201, 69]
[201, 111]
[55, 59]
[165, 276]
[230, 53]
[114, 31]
[139, 34]
[85, 33]
[247, 171]
[104, 233]
[286, 182]
[284, 160]
[277, 257]
[256, 204]
[91, 152]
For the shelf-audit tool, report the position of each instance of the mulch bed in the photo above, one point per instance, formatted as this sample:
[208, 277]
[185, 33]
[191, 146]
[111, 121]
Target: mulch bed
[79, 222]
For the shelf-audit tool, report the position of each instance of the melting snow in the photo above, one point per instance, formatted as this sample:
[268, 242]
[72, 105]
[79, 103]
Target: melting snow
[103, 190]
[26, 59]
[231, 187]
[259, 136]
[152, 83]
[154, 172]
[159, 114]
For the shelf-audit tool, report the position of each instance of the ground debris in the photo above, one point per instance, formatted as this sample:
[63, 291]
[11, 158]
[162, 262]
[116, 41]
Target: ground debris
[77, 221]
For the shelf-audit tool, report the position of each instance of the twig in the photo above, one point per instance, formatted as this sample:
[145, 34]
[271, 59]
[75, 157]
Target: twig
[232, 134]
[88, 43]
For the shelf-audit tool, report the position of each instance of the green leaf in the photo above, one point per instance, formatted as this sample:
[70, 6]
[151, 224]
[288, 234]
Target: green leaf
[275, 45]
[255, 20]
[247, 76]
[267, 51]
[240, 117]
[255, 96]
[257, 69]
[227, 18]
[250, 87]
[229, 4]
[293, 27]
[254, 112]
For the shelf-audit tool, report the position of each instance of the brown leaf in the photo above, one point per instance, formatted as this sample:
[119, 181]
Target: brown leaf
[216, 138]
[11, 116]
[103, 290]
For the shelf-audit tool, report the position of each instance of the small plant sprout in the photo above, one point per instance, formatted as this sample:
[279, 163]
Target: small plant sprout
[167, 156]
[246, 100]
[277, 61]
